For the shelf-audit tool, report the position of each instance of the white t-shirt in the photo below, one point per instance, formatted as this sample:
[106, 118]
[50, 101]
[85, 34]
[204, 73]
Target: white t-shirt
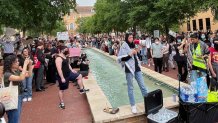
[148, 42]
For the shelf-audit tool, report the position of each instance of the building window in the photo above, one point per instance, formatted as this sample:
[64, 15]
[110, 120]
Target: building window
[201, 24]
[71, 26]
[194, 25]
[92, 10]
[208, 23]
[188, 26]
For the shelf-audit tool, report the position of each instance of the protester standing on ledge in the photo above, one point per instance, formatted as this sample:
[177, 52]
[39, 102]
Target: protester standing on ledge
[128, 58]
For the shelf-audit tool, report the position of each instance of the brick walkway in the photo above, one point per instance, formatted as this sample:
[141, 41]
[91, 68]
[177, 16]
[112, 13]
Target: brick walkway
[172, 73]
[44, 107]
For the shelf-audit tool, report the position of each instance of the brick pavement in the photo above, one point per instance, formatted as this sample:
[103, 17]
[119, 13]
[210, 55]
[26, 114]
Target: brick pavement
[172, 73]
[44, 107]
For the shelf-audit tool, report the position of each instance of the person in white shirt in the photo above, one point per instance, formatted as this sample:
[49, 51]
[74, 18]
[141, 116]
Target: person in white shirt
[148, 46]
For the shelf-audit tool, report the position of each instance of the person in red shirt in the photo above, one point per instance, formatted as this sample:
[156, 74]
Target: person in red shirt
[213, 60]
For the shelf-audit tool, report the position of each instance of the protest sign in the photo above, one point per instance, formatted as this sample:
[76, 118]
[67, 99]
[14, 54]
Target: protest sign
[172, 33]
[63, 36]
[74, 52]
[156, 33]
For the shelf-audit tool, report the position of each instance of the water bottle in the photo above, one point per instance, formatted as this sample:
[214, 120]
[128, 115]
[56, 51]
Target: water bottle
[174, 97]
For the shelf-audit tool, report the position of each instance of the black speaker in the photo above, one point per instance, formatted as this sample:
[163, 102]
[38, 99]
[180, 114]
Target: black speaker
[198, 113]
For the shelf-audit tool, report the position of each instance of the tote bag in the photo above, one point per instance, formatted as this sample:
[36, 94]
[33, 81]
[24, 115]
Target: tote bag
[9, 96]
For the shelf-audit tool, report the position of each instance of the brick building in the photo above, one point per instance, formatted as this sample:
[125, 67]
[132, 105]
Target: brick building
[70, 20]
[202, 21]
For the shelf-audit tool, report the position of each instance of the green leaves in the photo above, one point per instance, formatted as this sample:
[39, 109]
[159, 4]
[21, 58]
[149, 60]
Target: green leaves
[148, 15]
[38, 15]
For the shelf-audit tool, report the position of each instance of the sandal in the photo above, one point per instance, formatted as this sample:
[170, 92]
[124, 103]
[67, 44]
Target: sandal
[111, 110]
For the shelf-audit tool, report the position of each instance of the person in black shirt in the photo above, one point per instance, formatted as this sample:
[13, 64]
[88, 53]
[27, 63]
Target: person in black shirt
[132, 55]
[84, 65]
[66, 74]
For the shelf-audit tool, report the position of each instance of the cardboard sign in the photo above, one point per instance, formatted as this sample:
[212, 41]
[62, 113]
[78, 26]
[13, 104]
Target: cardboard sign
[74, 52]
[156, 33]
[63, 36]
[27, 42]
[172, 33]
[10, 32]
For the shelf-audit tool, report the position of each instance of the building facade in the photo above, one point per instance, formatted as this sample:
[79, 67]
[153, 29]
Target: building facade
[70, 20]
[202, 21]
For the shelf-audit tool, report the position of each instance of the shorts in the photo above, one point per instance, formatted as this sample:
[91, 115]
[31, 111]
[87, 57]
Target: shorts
[84, 73]
[73, 76]
[63, 86]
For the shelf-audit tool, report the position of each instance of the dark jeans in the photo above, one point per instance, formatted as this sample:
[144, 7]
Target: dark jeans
[14, 115]
[182, 70]
[158, 62]
[165, 61]
[39, 74]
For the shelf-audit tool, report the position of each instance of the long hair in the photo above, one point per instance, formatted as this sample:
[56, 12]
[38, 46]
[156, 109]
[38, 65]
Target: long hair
[131, 45]
[25, 48]
[9, 60]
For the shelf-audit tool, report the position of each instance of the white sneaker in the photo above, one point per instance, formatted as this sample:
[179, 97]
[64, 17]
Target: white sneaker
[29, 99]
[149, 65]
[24, 99]
[134, 110]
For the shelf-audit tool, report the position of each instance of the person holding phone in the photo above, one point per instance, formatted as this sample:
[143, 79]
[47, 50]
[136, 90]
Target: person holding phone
[12, 74]
[27, 82]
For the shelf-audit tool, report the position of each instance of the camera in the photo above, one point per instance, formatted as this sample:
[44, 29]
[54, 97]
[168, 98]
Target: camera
[140, 42]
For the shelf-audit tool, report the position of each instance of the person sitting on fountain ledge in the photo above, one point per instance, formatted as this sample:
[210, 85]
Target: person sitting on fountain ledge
[84, 65]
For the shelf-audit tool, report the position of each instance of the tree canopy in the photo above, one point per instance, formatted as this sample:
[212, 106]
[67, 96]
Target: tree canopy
[120, 15]
[37, 15]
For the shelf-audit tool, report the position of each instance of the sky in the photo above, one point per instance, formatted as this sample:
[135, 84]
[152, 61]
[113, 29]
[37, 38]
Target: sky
[86, 2]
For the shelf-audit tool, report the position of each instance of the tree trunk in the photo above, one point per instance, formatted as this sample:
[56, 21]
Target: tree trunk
[166, 30]
[134, 31]
[24, 32]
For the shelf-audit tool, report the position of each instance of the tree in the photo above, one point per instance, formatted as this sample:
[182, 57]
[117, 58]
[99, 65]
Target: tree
[39, 15]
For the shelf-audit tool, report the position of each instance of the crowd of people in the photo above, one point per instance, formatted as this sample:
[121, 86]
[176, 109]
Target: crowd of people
[164, 53]
[194, 54]
[31, 66]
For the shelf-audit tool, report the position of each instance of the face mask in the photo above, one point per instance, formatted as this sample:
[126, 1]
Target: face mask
[203, 36]
[33, 49]
[215, 46]
[179, 40]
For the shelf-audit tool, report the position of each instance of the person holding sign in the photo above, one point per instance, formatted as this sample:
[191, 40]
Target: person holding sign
[8, 45]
